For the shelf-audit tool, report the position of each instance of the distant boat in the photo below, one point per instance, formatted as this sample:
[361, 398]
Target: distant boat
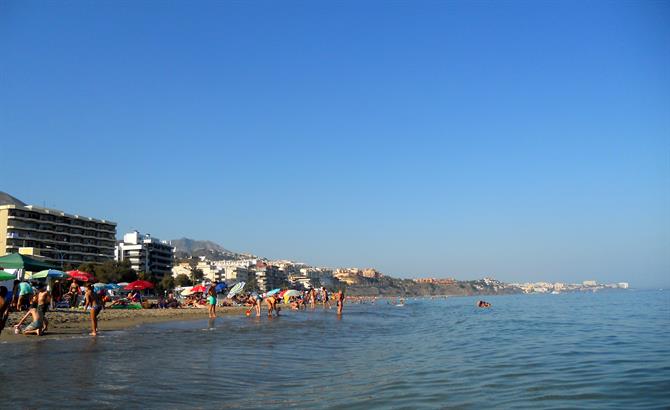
[555, 292]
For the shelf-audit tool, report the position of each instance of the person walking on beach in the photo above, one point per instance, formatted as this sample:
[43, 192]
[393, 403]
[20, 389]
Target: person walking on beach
[43, 302]
[339, 297]
[4, 307]
[211, 300]
[92, 300]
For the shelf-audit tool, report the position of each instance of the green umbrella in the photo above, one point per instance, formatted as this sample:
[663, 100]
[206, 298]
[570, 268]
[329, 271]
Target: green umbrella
[6, 276]
[49, 273]
[18, 261]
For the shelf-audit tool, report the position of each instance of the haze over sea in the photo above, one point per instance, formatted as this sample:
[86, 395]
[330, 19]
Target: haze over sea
[597, 350]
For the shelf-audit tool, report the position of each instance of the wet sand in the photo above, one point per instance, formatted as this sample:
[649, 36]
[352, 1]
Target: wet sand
[77, 322]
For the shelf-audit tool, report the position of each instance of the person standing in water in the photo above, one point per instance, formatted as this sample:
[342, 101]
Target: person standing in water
[43, 302]
[312, 297]
[339, 297]
[324, 298]
[272, 305]
[211, 300]
[92, 300]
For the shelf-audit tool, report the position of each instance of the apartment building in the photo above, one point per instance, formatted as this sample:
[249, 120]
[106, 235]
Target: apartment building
[60, 238]
[146, 254]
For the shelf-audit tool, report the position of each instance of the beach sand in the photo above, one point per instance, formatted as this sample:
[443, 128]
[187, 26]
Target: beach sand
[77, 322]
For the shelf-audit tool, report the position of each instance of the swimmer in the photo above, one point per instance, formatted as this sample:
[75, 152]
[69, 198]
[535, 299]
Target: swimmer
[483, 304]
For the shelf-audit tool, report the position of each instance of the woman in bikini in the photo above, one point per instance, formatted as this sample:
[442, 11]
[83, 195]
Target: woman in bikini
[93, 301]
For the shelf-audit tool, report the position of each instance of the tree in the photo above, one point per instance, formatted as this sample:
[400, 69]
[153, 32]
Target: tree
[252, 284]
[196, 275]
[167, 283]
[111, 271]
[182, 280]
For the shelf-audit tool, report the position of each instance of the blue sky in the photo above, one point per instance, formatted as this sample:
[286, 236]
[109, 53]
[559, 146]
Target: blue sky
[524, 140]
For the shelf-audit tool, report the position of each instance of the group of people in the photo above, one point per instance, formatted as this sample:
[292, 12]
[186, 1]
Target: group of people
[311, 297]
[36, 303]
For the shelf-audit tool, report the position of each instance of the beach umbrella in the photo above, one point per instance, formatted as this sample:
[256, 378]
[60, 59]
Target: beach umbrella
[6, 276]
[139, 285]
[198, 289]
[291, 292]
[80, 276]
[122, 284]
[186, 290]
[220, 287]
[49, 273]
[113, 286]
[236, 289]
[273, 291]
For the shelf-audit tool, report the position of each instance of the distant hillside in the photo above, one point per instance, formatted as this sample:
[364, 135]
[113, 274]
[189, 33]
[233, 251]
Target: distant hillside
[186, 247]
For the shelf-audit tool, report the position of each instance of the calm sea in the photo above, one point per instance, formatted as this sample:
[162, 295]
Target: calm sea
[602, 350]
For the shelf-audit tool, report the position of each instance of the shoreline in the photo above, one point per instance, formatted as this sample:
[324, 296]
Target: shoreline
[66, 323]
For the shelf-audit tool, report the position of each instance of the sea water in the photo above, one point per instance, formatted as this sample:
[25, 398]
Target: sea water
[581, 350]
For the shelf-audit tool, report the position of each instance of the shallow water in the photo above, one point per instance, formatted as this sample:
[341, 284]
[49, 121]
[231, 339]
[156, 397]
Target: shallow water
[597, 350]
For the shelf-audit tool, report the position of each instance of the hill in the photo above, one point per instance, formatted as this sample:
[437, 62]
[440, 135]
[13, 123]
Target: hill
[186, 247]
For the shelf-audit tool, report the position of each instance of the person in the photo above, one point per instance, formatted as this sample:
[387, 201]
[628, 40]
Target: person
[324, 298]
[25, 294]
[339, 296]
[134, 296]
[74, 293]
[312, 297]
[211, 300]
[15, 295]
[255, 301]
[35, 327]
[4, 307]
[483, 304]
[92, 300]
[272, 305]
[43, 302]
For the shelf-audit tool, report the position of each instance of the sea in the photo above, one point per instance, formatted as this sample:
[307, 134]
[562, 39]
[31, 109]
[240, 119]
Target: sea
[573, 350]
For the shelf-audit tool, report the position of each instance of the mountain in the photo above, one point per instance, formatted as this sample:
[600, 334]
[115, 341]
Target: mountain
[186, 247]
[6, 199]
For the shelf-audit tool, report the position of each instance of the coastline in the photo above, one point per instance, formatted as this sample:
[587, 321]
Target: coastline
[65, 323]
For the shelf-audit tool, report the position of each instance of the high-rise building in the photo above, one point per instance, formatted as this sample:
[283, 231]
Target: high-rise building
[146, 254]
[60, 238]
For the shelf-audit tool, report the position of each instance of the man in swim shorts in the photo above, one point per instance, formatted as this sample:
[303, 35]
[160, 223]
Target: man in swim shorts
[339, 297]
[211, 300]
[35, 327]
[43, 301]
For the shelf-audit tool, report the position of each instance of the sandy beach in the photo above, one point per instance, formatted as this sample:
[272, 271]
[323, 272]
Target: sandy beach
[77, 322]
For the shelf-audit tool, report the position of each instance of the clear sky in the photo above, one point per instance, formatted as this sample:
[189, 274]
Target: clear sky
[523, 140]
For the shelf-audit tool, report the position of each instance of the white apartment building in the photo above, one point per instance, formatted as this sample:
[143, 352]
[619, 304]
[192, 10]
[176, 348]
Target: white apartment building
[146, 254]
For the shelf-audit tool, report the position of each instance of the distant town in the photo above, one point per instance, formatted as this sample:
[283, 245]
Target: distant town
[74, 241]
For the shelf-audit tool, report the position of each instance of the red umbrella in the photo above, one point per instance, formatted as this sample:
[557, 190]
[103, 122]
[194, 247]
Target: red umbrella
[281, 294]
[79, 275]
[139, 285]
[198, 288]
